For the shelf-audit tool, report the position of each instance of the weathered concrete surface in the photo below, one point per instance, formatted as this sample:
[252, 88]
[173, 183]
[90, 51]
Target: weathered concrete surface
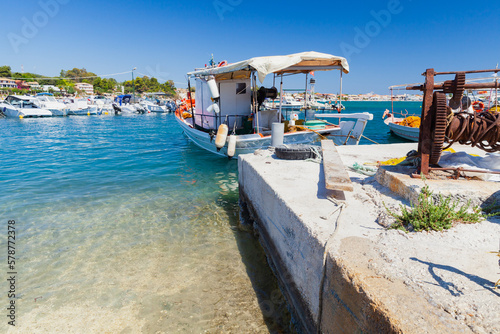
[363, 289]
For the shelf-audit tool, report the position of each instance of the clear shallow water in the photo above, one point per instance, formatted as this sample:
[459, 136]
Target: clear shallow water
[125, 226]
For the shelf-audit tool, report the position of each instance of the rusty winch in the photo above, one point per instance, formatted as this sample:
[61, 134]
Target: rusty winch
[448, 122]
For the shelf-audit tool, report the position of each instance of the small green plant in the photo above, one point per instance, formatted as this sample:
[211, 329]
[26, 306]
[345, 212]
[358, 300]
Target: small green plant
[492, 210]
[434, 214]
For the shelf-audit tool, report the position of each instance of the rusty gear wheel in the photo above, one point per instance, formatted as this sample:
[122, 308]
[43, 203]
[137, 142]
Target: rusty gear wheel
[457, 90]
[438, 110]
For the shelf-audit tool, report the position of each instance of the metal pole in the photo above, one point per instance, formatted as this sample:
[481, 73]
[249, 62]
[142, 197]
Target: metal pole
[340, 99]
[190, 101]
[274, 85]
[305, 101]
[496, 89]
[425, 134]
[254, 101]
[281, 95]
[392, 103]
[133, 83]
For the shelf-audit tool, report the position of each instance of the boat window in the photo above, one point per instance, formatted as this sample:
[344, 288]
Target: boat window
[241, 88]
[29, 104]
[15, 102]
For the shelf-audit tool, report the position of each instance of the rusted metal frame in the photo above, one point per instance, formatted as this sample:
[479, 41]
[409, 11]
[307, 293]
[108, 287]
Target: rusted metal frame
[476, 71]
[477, 85]
[425, 135]
[464, 170]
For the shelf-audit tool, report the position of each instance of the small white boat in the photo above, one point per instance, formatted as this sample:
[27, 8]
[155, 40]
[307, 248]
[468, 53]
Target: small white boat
[152, 107]
[403, 131]
[103, 105]
[80, 107]
[22, 107]
[229, 118]
[123, 104]
[48, 101]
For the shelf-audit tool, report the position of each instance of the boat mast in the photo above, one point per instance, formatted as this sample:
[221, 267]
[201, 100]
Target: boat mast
[281, 95]
[254, 101]
[305, 100]
[392, 103]
[340, 98]
[191, 101]
[274, 85]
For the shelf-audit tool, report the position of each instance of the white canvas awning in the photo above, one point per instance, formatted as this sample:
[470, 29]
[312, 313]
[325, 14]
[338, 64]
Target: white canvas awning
[303, 62]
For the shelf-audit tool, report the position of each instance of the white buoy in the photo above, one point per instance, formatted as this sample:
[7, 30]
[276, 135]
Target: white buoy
[213, 108]
[231, 146]
[212, 86]
[220, 139]
[277, 131]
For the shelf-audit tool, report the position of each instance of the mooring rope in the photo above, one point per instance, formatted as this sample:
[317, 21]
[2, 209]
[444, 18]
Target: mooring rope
[340, 206]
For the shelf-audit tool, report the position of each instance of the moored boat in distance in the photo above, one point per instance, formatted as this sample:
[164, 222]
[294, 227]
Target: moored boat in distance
[48, 101]
[22, 107]
[229, 117]
[404, 127]
[80, 107]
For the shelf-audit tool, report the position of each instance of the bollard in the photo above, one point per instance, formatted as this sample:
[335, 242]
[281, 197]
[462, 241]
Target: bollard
[277, 131]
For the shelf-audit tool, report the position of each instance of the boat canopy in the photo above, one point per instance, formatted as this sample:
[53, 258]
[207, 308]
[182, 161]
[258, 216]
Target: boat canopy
[303, 62]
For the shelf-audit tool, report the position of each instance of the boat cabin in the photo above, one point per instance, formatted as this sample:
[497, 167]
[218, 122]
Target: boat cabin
[21, 101]
[227, 94]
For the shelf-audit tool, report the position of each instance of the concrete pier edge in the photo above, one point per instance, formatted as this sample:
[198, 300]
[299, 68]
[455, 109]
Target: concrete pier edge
[334, 282]
[299, 310]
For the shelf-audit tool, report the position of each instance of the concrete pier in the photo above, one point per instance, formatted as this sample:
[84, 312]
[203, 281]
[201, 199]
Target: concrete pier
[342, 271]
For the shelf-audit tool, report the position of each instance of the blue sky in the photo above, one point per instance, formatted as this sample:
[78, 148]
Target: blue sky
[386, 42]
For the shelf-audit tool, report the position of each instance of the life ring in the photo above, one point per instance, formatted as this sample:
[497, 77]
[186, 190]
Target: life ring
[222, 63]
[478, 106]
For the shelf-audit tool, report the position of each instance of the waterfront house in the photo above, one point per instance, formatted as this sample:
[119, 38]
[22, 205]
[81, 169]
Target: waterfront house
[86, 87]
[34, 85]
[7, 83]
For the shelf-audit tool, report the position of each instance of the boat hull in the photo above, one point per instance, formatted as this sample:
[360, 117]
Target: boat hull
[250, 143]
[13, 112]
[405, 132]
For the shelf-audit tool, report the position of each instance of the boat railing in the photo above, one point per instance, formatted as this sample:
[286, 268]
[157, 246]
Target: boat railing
[239, 123]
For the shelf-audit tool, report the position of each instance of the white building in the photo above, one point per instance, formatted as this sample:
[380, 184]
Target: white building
[47, 88]
[34, 85]
[7, 83]
[86, 87]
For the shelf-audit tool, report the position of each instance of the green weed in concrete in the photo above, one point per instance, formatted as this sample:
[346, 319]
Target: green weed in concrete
[434, 214]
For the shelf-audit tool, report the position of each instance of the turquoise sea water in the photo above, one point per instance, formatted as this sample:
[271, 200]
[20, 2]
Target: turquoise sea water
[376, 129]
[122, 225]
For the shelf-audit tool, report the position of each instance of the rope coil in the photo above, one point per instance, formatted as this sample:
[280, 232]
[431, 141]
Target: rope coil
[481, 129]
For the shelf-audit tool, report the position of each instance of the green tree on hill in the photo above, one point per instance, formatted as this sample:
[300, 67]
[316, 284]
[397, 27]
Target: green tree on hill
[78, 75]
[5, 71]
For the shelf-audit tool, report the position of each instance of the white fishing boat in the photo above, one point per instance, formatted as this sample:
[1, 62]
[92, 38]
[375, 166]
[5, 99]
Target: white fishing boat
[22, 107]
[228, 117]
[48, 101]
[403, 131]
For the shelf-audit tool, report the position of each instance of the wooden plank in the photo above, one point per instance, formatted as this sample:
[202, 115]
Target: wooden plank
[336, 176]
